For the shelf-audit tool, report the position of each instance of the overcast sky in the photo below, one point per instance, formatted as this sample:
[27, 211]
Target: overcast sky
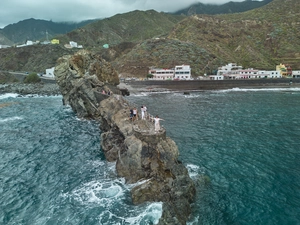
[13, 11]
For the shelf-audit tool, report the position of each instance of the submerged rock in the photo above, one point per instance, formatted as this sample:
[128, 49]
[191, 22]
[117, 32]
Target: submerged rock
[143, 156]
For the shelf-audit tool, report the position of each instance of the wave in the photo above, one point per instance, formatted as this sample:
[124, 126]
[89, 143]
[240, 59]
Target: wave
[193, 170]
[109, 196]
[10, 119]
[8, 95]
[287, 89]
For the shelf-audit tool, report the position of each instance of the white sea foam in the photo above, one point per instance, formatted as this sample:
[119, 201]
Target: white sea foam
[193, 170]
[8, 95]
[39, 96]
[10, 119]
[140, 94]
[101, 192]
[109, 195]
[287, 89]
[194, 221]
[152, 214]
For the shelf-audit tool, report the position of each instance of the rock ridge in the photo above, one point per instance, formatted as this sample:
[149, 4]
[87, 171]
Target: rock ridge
[142, 155]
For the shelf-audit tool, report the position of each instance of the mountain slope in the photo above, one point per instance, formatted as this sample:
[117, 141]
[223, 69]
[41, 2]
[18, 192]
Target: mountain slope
[34, 58]
[134, 27]
[230, 7]
[164, 53]
[35, 29]
[260, 38]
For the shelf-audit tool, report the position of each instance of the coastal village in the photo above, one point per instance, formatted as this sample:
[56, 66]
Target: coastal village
[231, 71]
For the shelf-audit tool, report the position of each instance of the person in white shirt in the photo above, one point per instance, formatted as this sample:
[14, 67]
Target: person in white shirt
[143, 112]
[156, 123]
[135, 114]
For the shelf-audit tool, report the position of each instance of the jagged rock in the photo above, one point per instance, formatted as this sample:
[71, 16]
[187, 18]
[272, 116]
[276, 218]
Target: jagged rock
[81, 79]
[143, 156]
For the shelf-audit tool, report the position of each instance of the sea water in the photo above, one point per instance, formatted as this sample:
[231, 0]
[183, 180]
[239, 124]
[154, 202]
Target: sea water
[52, 170]
[241, 147]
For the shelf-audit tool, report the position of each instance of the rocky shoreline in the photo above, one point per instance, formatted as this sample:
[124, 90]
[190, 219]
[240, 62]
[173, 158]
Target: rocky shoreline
[47, 87]
[31, 89]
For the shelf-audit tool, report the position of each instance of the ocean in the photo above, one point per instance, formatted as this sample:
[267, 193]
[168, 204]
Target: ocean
[241, 147]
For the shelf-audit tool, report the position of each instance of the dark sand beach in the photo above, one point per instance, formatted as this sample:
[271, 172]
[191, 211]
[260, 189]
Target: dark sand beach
[202, 85]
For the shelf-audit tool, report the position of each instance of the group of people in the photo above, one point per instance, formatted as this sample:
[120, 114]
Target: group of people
[134, 116]
[106, 93]
[134, 113]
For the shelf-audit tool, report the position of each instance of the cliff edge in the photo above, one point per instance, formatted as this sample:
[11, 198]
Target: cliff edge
[143, 156]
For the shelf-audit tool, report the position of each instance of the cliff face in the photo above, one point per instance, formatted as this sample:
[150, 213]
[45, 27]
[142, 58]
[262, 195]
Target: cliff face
[141, 154]
[82, 77]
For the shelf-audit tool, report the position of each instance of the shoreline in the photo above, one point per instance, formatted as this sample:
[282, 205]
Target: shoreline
[137, 87]
[144, 86]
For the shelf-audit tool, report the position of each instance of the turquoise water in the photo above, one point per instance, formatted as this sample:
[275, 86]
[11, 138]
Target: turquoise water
[244, 144]
[53, 171]
[241, 147]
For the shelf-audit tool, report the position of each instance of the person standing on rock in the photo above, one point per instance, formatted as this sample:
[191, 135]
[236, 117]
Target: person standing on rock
[143, 112]
[156, 123]
[135, 115]
[131, 115]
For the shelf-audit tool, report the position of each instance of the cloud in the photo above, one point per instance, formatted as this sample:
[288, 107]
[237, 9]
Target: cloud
[13, 11]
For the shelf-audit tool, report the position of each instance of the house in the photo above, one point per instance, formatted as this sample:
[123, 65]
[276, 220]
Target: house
[4, 46]
[285, 70]
[296, 74]
[274, 74]
[54, 41]
[73, 44]
[233, 72]
[183, 72]
[216, 77]
[49, 73]
[161, 74]
[228, 68]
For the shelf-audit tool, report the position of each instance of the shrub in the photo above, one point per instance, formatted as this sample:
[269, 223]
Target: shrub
[32, 78]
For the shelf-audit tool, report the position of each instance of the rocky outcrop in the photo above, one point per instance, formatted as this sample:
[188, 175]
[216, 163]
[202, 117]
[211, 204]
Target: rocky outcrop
[143, 156]
[82, 77]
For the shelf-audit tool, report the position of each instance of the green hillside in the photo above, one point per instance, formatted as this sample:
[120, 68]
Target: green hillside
[229, 7]
[134, 26]
[260, 38]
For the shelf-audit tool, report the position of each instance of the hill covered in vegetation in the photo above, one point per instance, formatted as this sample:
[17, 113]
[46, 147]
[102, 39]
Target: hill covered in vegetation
[260, 38]
[36, 30]
[229, 7]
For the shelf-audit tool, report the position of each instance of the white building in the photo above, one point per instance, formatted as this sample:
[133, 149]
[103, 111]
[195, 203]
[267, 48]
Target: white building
[183, 72]
[28, 43]
[4, 46]
[73, 44]
[228, 68]
[162, 74]
[233, 72]
[296, 73]
[216, 77]
[273, 74]
[49, 73]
